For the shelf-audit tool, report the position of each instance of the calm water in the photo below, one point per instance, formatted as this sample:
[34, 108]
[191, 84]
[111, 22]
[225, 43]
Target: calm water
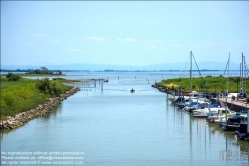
[116, 127]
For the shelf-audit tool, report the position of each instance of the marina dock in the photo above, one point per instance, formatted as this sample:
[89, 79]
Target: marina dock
[236, 105]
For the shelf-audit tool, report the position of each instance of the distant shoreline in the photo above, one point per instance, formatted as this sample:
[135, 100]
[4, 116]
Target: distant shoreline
[203, 70]
[35, 75]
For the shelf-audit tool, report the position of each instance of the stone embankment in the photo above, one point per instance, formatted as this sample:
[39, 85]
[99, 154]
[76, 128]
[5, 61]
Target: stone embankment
[20, 119]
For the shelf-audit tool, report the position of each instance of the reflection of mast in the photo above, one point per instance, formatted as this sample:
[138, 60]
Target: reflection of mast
[205, 138]
[190, 132]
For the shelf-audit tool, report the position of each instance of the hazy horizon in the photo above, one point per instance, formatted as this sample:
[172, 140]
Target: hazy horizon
[166, 66]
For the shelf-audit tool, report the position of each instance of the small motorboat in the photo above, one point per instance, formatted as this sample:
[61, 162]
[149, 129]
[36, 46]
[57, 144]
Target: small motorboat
[242, 131]
[233, 123]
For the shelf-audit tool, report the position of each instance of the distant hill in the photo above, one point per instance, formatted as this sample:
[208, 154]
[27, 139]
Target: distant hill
[93, 67]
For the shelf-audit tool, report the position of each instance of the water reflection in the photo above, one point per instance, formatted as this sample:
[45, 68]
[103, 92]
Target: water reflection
[205, 138]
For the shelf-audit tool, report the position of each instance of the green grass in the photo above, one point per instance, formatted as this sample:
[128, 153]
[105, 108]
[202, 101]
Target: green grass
[213, 84]
[23, 95]
[5, 83]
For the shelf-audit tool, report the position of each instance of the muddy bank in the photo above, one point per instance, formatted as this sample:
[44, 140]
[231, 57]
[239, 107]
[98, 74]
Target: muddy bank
[10, 123]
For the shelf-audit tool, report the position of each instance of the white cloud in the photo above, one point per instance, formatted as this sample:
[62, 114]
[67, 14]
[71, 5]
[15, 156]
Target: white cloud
[207, 42]
[214, 43]
[75, 50]
[157, 41]
[41, 35]
[176, 45]
[243, 42]
[156, 48]
[28, 43]
[56, 41]
[104, 52]
[130, 40]
[196, 46]
[98, 39]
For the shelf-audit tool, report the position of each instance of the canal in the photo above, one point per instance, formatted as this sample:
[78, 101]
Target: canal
[117, 127]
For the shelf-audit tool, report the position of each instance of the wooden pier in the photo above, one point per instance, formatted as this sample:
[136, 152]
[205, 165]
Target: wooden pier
[88, 84]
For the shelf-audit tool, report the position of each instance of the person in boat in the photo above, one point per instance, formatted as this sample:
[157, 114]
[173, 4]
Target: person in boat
[132, 90]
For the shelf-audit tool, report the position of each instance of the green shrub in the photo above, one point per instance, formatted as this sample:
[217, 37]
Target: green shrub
[13, 77]
[59, 79]
[43, 85]
[9, 75]
[54, 88]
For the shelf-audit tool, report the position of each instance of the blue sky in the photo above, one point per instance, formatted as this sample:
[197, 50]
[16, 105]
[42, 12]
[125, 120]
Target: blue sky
[123, 32]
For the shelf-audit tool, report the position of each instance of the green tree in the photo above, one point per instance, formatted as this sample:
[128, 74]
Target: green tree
[9, 75]
[237, 80]
[43, 85]
[44, 70]
[13, 77]
[59, 72]
[37, 71]
[49, 87]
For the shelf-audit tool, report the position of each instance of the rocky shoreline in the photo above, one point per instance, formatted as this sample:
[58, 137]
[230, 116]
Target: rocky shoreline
[20, 119]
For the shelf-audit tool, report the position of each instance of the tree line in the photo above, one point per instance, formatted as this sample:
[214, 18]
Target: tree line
[42, 70]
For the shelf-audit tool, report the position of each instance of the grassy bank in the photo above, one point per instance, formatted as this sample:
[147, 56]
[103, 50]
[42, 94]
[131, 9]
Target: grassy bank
[25, 94]
[5, 83]
[212, 84]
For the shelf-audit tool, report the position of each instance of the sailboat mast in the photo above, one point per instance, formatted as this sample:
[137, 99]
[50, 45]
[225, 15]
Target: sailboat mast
[227, 82]
[244, 81]
[190, 86]
[240, 80]
[242, 74]
[228, 73]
